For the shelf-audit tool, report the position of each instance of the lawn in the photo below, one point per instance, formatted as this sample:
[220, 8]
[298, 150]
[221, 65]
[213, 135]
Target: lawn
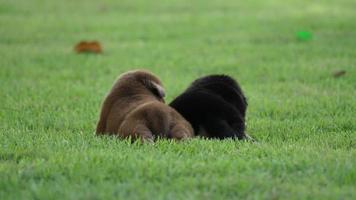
[302, 116]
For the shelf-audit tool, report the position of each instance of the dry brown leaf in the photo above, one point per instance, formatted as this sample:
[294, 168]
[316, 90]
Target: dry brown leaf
[88, 47]
[339, 73]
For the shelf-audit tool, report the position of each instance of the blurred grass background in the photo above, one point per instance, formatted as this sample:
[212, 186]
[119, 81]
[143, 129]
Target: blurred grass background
[303, 117]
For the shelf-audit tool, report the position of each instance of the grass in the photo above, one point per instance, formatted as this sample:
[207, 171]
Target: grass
[303, 117]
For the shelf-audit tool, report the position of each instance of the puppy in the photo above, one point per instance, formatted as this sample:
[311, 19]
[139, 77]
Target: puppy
[135, 108]
[215, 106]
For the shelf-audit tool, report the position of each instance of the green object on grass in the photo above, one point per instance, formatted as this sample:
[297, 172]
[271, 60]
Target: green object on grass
[304, 35]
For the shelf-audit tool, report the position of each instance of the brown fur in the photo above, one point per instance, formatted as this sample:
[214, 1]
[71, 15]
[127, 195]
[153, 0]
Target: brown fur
[134, 108]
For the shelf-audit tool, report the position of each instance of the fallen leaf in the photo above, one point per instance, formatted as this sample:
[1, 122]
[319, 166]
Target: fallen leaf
[88, 47]
[339, 73]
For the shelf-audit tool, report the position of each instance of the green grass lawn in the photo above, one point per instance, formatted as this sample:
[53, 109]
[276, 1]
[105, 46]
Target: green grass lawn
[303, 117]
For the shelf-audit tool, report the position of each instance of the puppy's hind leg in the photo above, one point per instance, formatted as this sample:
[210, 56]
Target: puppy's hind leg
[179, 128]
[180, 132]
[136, 131]
[239, 128]
[218, 128]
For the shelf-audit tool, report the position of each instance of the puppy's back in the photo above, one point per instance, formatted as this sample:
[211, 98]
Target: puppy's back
[129, 91]
[214, 105]
[224, 86]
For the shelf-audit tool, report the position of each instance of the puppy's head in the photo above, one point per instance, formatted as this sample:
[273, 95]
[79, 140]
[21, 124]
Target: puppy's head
[142, 82]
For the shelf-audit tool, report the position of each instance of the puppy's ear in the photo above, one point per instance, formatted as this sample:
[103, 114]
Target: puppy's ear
[156, 89]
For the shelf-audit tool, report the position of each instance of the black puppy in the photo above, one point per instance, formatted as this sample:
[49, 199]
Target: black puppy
[215, 106]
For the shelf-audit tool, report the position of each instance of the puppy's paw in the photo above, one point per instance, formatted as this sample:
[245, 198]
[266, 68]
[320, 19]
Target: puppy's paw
[149, 139]
[248, 138]
[144, 136]
[137, 132]
[180, 135]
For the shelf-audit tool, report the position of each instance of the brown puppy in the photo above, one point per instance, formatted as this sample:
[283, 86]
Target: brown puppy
[135, 108]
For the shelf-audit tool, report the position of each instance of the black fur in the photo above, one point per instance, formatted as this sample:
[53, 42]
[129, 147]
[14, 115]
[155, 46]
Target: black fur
[215, 106]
